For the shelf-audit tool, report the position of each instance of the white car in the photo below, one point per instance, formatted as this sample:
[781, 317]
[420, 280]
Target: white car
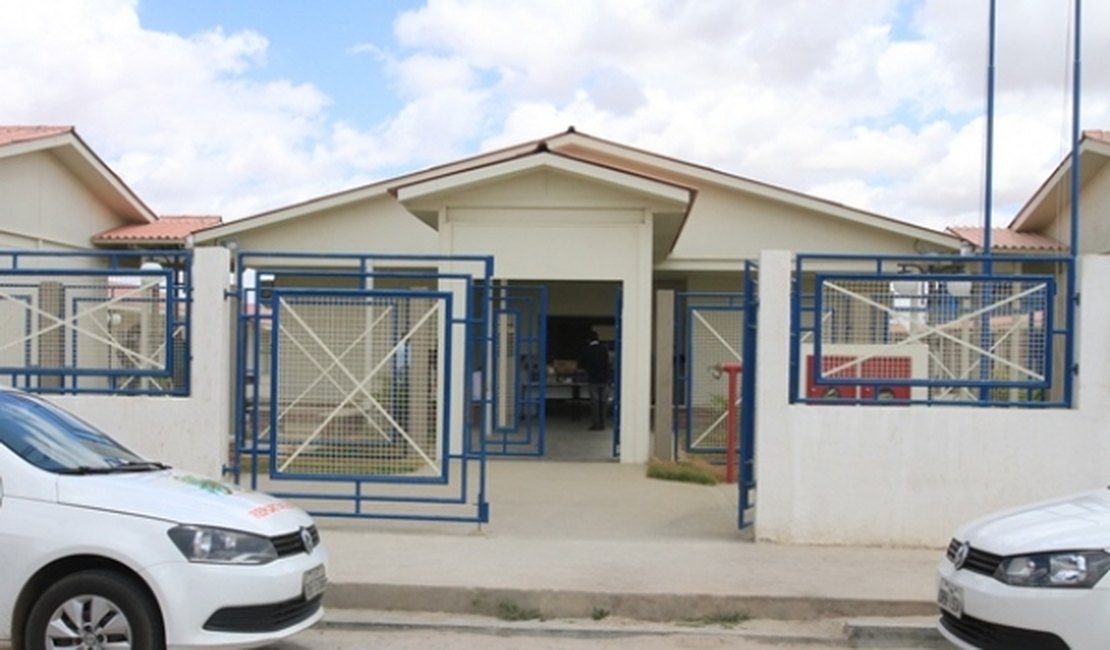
[100, 548]
[1032, 577]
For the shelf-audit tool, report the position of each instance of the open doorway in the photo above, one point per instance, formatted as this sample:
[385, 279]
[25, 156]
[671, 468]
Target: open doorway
[575, 309]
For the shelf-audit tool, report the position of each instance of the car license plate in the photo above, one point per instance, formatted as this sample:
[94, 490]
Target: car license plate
[314, 582]
[950, 598]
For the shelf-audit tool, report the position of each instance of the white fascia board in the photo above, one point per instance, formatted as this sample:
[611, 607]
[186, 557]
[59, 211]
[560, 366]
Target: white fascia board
[102, 177]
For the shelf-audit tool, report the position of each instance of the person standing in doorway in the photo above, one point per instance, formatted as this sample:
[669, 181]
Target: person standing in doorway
[595, 361]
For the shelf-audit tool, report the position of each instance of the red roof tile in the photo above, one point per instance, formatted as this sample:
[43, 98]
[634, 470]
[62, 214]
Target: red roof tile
[1097, 134]
[1006, 239]
[12, 134]
[165, 229]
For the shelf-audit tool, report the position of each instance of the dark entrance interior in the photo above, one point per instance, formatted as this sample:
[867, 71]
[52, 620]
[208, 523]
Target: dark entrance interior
[574, 309]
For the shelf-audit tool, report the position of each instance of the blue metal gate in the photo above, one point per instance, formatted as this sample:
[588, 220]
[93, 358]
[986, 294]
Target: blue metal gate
[713, 329]
[513, 418]
[348, 374]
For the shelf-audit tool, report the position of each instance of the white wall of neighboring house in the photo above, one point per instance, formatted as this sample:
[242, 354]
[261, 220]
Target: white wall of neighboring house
[907, 476]
[54, 209]
[1094, 206]
[191, 433]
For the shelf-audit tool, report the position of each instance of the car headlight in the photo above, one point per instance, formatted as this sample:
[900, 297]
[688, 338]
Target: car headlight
[221, 546]
[1079, 569]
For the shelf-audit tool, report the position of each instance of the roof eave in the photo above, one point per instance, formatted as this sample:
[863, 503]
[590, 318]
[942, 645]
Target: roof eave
[1033, 212]
[77, 156]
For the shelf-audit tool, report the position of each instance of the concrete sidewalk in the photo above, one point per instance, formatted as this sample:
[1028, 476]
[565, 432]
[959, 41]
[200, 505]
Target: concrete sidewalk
[569, 540]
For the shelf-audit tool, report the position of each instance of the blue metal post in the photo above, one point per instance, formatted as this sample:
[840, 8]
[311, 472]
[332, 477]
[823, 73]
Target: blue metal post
[747, 395]
[1073, 248]
[988, 207]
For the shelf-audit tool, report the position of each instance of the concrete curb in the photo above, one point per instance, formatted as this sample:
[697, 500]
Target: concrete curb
[916, 632]
[653, 607]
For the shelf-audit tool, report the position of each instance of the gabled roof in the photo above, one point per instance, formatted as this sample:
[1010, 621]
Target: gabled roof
[1004, 239]
[605, 154]
[1054, 195]
[166, 230]
[68, 148]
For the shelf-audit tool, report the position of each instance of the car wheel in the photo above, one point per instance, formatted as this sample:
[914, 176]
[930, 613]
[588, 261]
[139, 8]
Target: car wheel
[91, 610]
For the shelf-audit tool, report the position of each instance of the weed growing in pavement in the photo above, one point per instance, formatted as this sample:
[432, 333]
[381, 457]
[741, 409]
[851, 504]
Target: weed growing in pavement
[723, 619]
[599, 614]
[508, 611]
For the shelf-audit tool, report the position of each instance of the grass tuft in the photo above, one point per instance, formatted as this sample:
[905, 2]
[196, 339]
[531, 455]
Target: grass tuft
[723, 619]
[508, 611]
[683, 471]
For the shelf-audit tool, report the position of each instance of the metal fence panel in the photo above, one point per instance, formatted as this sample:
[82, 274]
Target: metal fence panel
[933, 335]
[84, 322]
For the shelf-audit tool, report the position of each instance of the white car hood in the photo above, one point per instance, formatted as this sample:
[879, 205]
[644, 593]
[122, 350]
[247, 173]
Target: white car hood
[184, 498]
[1077, 522]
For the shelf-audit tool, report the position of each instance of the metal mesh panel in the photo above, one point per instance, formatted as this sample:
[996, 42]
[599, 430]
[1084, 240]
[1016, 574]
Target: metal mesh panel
[982, 339]
[358, 391]
[716, 338]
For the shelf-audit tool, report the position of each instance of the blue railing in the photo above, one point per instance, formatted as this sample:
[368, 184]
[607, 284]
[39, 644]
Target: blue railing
[952, 330]
[96, 322]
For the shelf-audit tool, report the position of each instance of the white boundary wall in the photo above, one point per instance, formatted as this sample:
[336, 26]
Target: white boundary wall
[191, 433]
[906, 476]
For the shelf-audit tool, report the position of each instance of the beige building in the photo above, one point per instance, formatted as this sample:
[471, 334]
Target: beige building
[585, 217]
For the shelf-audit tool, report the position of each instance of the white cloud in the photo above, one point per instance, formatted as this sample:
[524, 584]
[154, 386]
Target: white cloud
[830, 98]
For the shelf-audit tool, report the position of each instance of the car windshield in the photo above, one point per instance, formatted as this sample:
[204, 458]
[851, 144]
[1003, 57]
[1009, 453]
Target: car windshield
[55, 440]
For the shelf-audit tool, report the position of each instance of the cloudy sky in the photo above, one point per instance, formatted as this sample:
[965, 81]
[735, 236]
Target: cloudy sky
[234, 107]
